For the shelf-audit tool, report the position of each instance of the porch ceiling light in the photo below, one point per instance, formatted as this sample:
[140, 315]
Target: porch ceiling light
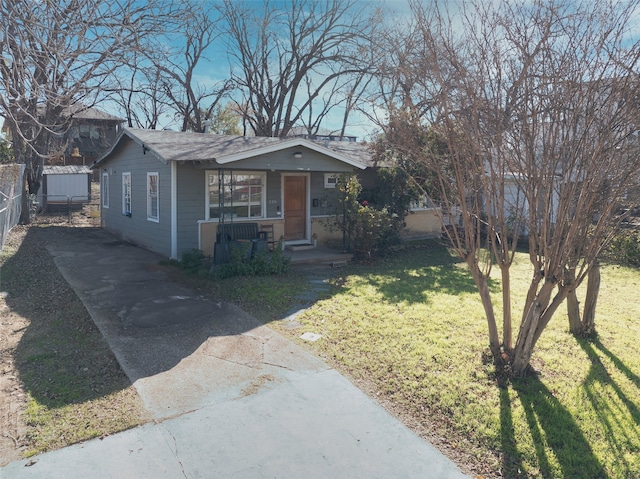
[297, 155]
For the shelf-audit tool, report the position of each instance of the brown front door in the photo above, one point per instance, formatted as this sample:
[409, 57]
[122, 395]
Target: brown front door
[295, 207]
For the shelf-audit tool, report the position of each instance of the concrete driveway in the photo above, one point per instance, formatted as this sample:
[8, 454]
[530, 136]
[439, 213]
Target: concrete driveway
[229, 397]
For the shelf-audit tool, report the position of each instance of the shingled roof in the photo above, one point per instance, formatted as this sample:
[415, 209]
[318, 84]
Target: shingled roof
[170, 146]
[83, 112]
[66, 170]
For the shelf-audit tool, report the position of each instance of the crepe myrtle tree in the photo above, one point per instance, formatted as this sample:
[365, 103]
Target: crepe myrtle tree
[527, 114]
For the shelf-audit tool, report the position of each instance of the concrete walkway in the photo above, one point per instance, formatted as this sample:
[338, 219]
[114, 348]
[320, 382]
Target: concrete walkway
[229, 397]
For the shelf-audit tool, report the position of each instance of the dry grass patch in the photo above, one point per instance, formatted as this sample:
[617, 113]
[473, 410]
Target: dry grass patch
[62, 383]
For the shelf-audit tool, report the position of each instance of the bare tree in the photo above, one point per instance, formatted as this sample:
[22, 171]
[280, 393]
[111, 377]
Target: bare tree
[139, 91]
[403, 71]
[192, 101]
[56, 59]
[295, 57]
[536, 104]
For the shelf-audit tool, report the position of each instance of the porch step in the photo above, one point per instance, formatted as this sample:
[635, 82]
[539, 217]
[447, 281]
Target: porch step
[320, 255]
[299, 247]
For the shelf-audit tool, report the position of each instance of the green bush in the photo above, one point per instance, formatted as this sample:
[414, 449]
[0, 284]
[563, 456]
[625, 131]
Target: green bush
[194, 262]
[373, 230]
[366, 228]
[264, 263]
[625, 248]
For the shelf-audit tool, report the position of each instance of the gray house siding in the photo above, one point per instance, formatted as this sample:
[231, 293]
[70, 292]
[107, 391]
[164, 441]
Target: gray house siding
[274, 182]
[285, 161]
[324, 199]
[155, 236]
[191, 205]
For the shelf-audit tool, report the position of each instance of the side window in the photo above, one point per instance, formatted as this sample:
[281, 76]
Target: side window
[126, 194]
[104, 191]
[152, 197]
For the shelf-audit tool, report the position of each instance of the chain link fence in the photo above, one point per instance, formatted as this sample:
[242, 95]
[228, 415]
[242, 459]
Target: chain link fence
[11, 183]
[76, 210]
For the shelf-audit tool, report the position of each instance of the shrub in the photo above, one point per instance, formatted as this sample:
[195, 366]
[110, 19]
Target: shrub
[366, 228]
[193, 261]
[625, 248]
[373, 230]
[264, 263]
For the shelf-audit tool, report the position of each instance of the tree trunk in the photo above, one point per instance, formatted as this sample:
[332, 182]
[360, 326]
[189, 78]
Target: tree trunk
[485, 296]
[593, 288]
[507, 333]
[33, 177]
[530, 324]
[573, 308]
[573, 311]
[25, 214]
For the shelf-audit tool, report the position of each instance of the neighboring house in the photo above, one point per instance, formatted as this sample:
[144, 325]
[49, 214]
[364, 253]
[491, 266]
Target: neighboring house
[88, 135]
[168, 191]
[91, 134]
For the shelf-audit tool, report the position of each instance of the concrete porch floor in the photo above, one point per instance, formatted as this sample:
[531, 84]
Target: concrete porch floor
[320, 254]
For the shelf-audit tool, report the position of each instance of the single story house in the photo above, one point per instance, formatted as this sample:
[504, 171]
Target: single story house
[167, 191]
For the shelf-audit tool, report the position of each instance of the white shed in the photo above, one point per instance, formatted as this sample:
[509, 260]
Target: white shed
[65, 184]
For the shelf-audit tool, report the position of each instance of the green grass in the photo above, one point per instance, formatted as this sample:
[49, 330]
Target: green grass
[412, 326]
[265, 297]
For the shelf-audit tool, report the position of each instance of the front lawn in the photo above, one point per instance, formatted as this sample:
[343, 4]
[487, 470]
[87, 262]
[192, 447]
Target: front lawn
[411, 330]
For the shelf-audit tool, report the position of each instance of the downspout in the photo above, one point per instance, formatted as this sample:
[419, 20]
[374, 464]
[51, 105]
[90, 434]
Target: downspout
[174, 210]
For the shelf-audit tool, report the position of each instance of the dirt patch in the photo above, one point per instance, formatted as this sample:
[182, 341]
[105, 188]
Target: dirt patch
[77, 214]
[257, 384]
[12, 397]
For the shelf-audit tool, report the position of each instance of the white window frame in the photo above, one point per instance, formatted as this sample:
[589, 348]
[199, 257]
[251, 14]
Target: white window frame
[104, 191]
[150, 197]
[263, 199]
[126, 193]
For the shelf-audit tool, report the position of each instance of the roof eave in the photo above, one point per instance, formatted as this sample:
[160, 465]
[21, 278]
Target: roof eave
[243, 155]
[289, 144]
[125, 132]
